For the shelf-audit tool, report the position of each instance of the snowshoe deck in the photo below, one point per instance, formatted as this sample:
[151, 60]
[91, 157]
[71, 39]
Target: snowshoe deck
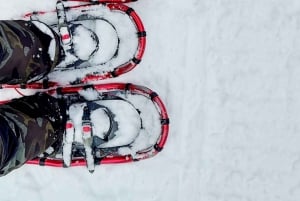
[121, 122]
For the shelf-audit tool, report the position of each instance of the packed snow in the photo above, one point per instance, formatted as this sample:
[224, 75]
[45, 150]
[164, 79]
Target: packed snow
[228, 72]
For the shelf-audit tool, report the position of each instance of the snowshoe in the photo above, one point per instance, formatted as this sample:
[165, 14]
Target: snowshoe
[108, 123]
[97, 41]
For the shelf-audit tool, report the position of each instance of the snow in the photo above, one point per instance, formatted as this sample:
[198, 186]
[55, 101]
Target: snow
[46, 30]
[228, 72]
[101, 123]
[151, 122]
[89, 44]
[128, 119]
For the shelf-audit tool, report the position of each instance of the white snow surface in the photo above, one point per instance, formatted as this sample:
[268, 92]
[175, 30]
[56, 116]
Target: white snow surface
[228, 72]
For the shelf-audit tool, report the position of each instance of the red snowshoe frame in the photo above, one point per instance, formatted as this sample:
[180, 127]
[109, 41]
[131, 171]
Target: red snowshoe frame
[112, 159]
[114, 5]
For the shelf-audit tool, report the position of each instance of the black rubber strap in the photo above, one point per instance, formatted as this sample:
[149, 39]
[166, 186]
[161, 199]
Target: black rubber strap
[42, 161]
[59, 90]
[141, 34]
[153, 95]
[129, 11]
[45, 84]
[157, 148]
[86, 116]
[113, 73]
[136, 60]
[127, 87]
[23, 86]
[165, 121]
[97, 161]
[88, 86]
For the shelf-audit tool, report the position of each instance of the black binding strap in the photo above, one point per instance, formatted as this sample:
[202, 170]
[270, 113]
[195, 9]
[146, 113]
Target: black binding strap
[42, 161]
[113, 124]
[88, 86]
[59, 90]
[129, 11]
[165, 121]
[23, 86]
[127, 87]
[153, 95]
[141, 34]
[86, 117]
[45, 84]
[136, 60]
[114, 73]
[157, 148]
[97, 161]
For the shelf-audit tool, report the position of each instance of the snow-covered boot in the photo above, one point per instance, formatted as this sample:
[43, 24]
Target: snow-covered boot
[29, 126]
[27, 53]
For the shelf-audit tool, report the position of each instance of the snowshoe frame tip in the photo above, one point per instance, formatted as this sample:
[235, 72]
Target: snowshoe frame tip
[94, 76]
[112, 159]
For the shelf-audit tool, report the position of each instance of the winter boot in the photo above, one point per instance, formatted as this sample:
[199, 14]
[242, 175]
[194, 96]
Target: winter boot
[29, 126]
[28, 51]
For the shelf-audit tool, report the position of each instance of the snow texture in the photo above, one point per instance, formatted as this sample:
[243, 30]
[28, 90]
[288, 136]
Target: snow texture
[129, 122]
[86, 49]
[228, 71]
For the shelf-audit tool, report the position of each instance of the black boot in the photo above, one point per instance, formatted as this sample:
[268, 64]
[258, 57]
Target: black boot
[25, 51]
[29, 126]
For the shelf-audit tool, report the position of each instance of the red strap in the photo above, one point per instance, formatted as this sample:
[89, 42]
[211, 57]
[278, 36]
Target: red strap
[86, 129]
[69, 125]
[65, 37]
